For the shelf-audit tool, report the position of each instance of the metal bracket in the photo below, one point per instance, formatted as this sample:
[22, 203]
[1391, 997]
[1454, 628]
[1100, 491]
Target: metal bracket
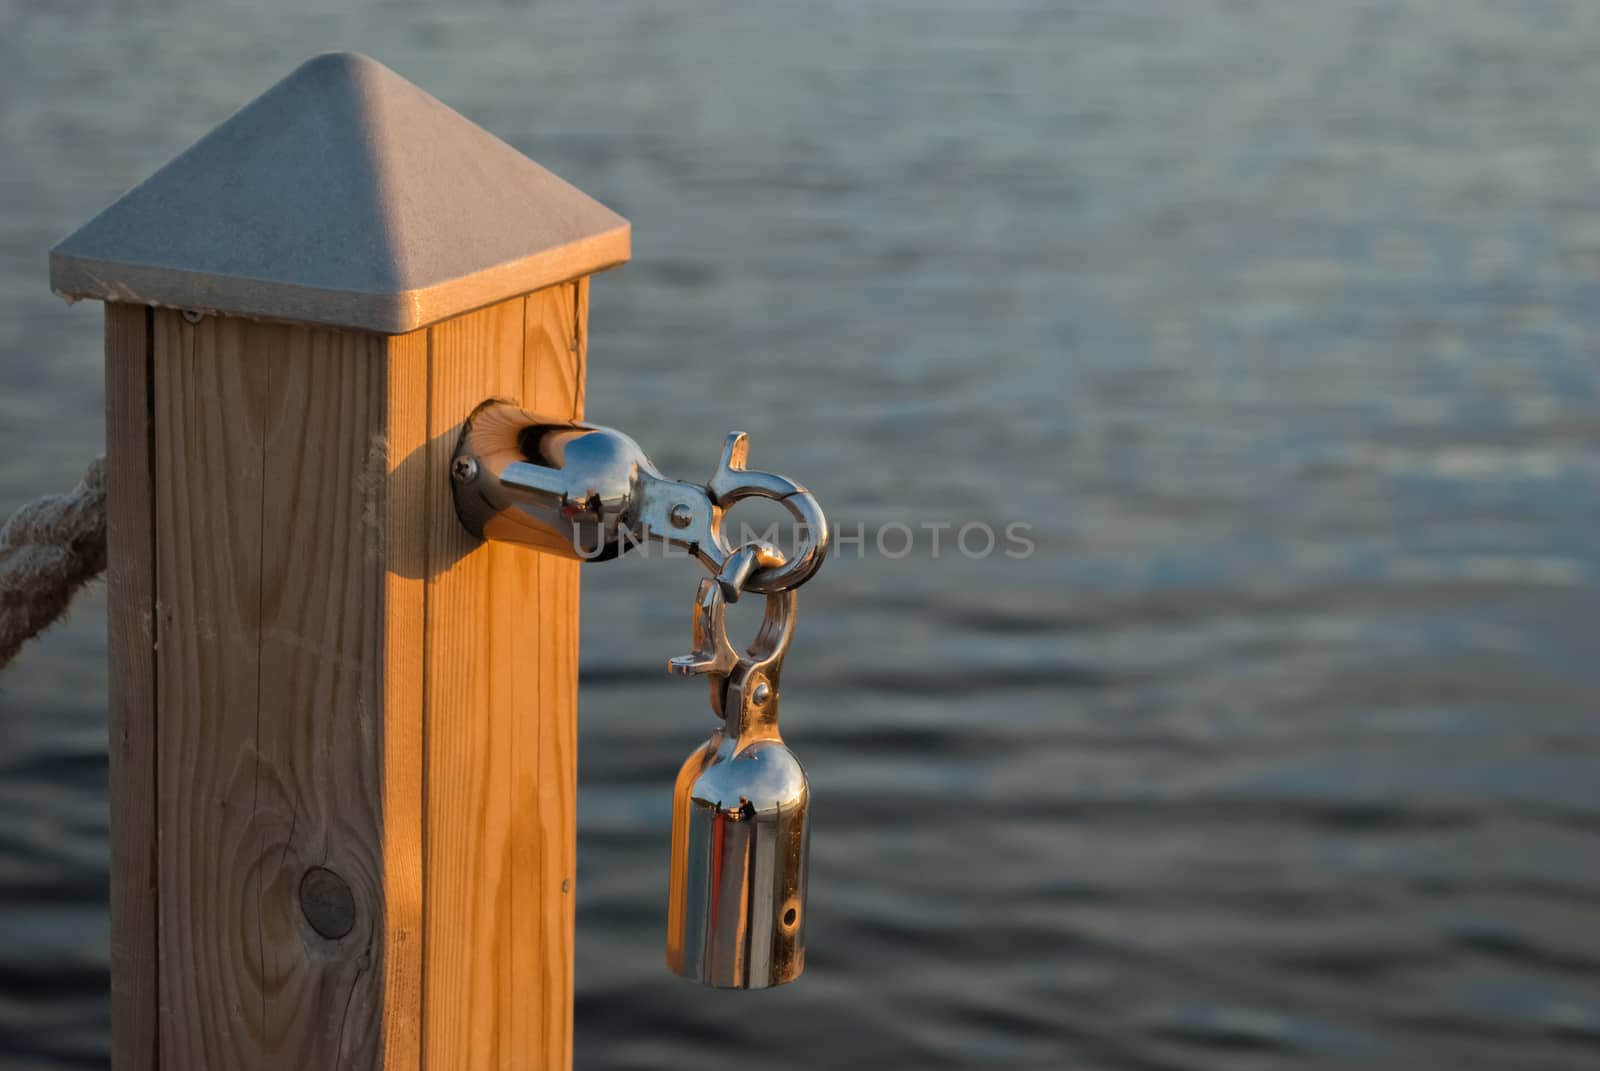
[585, 491]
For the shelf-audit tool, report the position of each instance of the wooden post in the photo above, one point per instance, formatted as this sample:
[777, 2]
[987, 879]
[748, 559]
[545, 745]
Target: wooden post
[342, 731]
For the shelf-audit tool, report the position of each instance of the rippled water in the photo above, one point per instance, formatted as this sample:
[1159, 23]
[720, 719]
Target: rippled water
[1279, 324]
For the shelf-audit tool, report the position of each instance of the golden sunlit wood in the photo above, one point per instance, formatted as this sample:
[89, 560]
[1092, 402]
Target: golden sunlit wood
[344, 730]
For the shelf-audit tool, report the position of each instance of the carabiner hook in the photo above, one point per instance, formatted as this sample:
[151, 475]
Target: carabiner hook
[688, 516]
[733, 674]
[731, 483]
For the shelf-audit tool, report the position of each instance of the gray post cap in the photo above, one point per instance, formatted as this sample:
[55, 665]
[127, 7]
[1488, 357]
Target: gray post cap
[343, 195]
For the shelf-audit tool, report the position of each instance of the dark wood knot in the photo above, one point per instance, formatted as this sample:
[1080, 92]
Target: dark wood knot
[328, 903]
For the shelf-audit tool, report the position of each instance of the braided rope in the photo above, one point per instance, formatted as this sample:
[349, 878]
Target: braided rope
[48, 550]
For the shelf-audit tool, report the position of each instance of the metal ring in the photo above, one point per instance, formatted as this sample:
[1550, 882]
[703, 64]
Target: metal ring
[732, 483]
[805, 509]
[813, 523]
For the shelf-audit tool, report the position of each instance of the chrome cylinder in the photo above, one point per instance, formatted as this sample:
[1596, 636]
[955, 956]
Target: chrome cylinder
[736, 907]
[560, 486]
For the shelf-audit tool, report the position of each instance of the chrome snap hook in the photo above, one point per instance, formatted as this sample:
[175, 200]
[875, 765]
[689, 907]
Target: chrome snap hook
[732, 482]
[590, 492]
[736, 902]
[743, 685]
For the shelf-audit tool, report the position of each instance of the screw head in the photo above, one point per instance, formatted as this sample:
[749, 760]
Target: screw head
[681, 515]
[762, 692]
[464, 470]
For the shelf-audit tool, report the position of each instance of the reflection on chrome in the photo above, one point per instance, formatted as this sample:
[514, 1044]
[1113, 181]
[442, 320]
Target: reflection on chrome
[736, 905]
[584, 491]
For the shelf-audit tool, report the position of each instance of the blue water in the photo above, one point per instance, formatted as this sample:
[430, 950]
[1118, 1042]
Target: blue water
[1277, 322]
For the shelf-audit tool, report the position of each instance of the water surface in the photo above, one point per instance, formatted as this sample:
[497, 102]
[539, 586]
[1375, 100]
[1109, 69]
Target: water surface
[1278, 322]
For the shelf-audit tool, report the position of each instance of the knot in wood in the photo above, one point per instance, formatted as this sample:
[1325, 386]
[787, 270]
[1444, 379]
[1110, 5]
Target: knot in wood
[328, 903]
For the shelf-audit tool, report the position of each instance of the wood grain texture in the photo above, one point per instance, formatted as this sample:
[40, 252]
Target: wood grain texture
[501, 685]
[208, 457]
[272, 467]
[580, 335]
[130, 584]
[403, 502]
[319, 672]
[553, 378]
[471, 708]
[317, 786]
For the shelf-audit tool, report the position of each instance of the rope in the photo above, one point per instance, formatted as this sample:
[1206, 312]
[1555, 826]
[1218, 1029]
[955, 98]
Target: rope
[48, 550]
